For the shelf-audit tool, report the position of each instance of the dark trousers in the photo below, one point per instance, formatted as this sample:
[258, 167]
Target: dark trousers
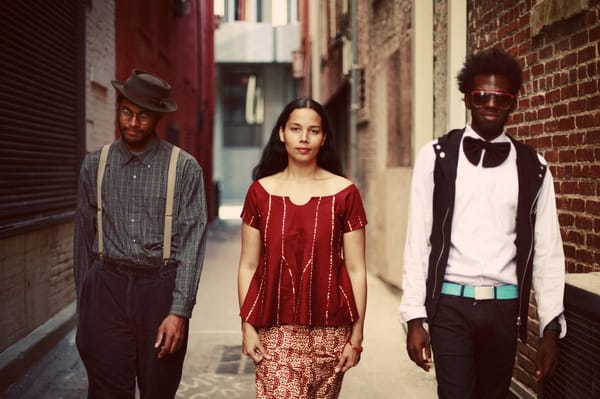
[474, 346]
[120, 311]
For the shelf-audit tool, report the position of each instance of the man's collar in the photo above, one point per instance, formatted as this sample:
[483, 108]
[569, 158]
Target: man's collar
[144, 157]
[472, 133]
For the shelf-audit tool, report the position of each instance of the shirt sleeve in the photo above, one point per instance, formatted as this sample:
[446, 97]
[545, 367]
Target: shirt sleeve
[191, 231]
[355, 217]
[549, 258]
[85, 222]
[250, 213]
[417, 245]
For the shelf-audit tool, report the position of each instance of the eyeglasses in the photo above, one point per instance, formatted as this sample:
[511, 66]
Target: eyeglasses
[142, 116]
[502, 100]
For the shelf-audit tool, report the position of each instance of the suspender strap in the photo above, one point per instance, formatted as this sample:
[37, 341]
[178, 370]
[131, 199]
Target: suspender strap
[101, 168]
[169, 204]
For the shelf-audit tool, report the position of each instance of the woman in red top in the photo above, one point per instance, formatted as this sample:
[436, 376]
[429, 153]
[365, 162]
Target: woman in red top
[302, 274]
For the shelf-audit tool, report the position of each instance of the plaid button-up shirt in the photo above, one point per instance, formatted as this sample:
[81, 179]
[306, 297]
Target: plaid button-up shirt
[133, 201]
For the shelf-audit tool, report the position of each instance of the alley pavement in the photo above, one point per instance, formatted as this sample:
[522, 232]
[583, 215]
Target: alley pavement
[215, 368]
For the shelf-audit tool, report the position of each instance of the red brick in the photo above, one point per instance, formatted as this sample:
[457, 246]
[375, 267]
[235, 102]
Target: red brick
[577, 205]
[537, 100]
[573, 78]
[568, 61]
[584, 155]
[532, 59]
[536, 129]
[577, 106]
[579, 39]
[582, 72]
[560, 141]
[587, 188]
[537, 70]
[592, 240]
[566, 124]
[576, 139]
[592, 207]
[544, 113]
[585, 255]
[584, 121]
[593, 102]
[553, 96]
[590, 87]
[544, 142]
[568, 92]
[575, 237]
[594, 34]
[586, 54]
[592, 69]
[569, 187]
[559, 110]
[582, 223]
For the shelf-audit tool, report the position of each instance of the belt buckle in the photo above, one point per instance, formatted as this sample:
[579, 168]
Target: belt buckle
[483, 293]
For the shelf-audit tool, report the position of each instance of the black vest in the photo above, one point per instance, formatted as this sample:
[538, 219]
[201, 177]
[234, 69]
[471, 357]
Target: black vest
[530, 174]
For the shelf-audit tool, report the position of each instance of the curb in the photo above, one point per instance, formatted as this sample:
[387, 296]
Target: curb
[17, 358]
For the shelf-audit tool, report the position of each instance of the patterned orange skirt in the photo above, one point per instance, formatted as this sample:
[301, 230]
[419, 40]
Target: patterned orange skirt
[302, 362]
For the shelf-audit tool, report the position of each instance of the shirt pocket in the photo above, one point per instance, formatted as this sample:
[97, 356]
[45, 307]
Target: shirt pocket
[153, 216]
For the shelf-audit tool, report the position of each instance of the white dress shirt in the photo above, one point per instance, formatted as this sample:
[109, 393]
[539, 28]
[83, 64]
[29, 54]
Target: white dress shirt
[482, 249]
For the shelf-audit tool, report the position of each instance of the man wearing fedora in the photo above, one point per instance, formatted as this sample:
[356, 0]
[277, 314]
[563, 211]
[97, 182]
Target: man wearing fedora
[138, 250]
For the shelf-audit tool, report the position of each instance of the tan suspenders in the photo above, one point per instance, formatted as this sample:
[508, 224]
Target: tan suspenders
[168, 206]
[101, 168]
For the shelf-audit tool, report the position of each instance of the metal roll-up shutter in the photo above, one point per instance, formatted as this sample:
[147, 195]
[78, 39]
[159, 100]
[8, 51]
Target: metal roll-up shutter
[38, 112]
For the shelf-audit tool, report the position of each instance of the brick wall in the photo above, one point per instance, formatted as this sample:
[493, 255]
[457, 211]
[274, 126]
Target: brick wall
[557, 114]
[36, 280]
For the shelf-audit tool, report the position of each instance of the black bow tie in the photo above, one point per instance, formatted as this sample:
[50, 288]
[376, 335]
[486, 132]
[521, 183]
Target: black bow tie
[495, 153]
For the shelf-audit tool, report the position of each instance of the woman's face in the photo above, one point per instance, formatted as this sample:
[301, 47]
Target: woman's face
[303, 135]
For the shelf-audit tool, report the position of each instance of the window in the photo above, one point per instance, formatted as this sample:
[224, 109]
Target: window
[243, 108]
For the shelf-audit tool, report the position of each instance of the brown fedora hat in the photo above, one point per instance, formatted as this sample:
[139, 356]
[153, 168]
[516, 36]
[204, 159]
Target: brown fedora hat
[146, 91]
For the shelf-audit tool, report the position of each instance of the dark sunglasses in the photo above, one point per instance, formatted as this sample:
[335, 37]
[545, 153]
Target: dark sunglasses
[482, 98]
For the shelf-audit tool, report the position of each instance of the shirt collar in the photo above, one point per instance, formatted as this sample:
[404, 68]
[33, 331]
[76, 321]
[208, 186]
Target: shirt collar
[471, 133]
[145, 157]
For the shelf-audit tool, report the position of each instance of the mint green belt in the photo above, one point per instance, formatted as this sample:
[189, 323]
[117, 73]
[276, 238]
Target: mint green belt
[507, 291]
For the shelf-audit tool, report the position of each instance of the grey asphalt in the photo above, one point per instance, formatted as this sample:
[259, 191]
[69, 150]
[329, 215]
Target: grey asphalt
[214, 367]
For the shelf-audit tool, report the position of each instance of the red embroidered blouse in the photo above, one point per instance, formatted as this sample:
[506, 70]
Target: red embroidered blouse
[301, 277]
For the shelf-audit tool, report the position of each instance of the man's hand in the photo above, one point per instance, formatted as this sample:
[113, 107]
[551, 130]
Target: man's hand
[171, 335]
[547, 356]
[418, 345]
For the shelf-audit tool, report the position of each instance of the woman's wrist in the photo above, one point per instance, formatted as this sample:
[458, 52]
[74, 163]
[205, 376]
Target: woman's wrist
[355, 347]
[246, 325]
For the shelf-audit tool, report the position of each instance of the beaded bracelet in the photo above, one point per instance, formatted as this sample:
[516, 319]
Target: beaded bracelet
[356, 349]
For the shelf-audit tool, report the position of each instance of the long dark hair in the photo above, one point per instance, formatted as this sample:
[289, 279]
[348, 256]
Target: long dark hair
[274, 157]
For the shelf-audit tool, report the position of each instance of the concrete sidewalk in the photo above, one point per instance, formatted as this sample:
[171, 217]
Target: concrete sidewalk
[214, 367]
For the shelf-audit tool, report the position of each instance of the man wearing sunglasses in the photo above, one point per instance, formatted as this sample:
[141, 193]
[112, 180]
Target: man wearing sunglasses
[138, 250]
[483, 231]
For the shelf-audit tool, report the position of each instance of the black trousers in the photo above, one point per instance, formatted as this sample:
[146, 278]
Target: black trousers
[474, 346]
[120, 311]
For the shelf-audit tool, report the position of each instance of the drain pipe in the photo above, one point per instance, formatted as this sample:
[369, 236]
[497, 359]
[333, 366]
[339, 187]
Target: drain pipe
[354, 106]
